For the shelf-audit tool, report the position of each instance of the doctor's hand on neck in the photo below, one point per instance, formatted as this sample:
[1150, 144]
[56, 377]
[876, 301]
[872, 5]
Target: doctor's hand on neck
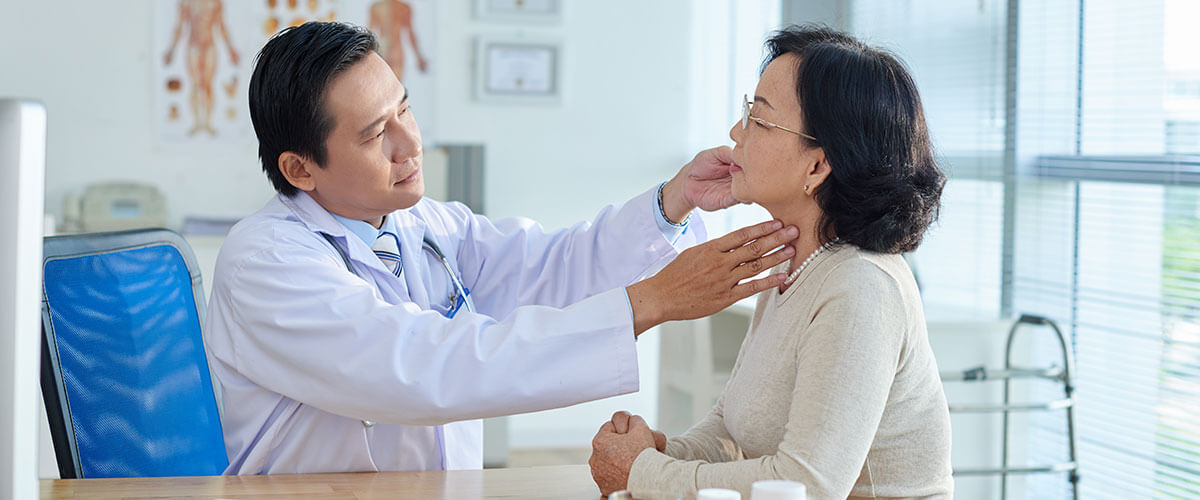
[707, 278]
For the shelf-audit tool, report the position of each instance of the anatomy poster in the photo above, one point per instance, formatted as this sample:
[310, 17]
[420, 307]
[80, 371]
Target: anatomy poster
[203, 55]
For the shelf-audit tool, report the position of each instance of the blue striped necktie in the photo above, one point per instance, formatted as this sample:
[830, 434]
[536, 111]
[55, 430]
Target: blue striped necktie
[387, 247]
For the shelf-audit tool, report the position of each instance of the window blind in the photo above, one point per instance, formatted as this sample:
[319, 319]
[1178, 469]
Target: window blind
[1119, 212]
[1104, 201]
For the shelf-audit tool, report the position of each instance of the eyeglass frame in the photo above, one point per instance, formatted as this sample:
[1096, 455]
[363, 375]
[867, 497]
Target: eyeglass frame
[746, 118]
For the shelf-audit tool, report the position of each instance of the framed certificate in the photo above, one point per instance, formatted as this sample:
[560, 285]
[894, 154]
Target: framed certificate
[518, 71]
[537, 11]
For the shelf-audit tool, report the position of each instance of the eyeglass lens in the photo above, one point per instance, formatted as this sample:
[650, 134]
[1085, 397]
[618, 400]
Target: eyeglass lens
[745, 111]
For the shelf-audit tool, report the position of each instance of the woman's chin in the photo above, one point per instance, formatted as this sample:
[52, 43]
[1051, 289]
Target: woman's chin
[739, 193]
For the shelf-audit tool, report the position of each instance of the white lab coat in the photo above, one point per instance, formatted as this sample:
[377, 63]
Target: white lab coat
[303, 350]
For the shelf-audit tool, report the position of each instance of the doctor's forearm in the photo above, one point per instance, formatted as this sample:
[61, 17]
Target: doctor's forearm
[647, 313]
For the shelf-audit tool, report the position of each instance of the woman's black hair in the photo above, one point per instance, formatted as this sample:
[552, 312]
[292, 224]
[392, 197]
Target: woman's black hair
[884, 188]
[287, 90]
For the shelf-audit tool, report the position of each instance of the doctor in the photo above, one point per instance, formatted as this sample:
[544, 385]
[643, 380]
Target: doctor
[354, 326]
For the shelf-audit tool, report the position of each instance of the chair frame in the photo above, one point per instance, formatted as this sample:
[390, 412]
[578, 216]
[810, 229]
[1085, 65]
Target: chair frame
[58, 411]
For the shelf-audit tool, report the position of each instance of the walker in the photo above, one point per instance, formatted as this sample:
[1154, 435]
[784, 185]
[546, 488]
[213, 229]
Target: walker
[1054, 373]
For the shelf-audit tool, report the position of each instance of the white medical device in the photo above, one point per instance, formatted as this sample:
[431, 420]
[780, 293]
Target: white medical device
[114, 206]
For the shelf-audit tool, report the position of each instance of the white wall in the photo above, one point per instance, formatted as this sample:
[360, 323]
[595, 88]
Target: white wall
[90, 63]
[622, 126]
[726, 55]
[833, 13]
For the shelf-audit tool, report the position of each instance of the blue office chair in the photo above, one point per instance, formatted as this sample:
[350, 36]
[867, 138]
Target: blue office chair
[126, 384]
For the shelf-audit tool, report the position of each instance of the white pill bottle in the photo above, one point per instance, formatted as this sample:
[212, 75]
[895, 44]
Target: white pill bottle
[778, 490]
[717, 494]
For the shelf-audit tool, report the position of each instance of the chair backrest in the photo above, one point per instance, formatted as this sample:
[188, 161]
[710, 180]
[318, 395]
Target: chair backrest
[127, 387]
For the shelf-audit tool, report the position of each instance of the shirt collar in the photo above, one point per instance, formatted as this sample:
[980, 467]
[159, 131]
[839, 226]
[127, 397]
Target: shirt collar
[365, 231]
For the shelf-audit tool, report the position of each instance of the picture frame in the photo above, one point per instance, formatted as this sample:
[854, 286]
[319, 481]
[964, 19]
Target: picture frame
[522, 11]
[518, 70]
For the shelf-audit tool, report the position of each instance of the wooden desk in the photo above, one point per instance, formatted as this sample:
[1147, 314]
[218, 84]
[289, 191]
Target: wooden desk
[563, 482]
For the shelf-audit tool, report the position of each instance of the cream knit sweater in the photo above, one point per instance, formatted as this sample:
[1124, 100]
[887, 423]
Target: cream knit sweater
[835, 387]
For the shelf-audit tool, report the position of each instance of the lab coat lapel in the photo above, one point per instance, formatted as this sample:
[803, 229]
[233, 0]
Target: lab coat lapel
[411, 231]
[318, 220]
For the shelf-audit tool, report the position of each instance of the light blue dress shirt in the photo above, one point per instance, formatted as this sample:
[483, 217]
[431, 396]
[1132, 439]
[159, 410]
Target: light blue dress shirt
[367, 232]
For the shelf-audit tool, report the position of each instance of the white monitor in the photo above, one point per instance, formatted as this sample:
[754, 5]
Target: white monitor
[22, 168]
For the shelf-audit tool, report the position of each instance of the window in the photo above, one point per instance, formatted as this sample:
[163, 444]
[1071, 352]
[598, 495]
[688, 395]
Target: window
[955, 51]
[1066, 128]
[1183, 137]
[1124, 209]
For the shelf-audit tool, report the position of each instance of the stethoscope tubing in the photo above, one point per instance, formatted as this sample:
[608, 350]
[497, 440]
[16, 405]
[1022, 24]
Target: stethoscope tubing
[462, 295]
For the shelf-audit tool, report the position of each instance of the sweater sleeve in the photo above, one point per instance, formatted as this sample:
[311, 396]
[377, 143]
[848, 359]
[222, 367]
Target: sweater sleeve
[707, 440]
[846, 362]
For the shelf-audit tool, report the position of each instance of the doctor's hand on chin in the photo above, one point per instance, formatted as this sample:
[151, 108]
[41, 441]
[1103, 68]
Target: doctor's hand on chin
[703, 183]
[707, 278]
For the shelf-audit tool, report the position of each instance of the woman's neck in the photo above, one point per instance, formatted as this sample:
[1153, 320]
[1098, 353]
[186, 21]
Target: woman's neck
[806, 219]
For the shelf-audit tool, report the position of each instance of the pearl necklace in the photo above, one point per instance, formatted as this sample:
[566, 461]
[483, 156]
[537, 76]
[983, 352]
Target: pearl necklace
[796, 273]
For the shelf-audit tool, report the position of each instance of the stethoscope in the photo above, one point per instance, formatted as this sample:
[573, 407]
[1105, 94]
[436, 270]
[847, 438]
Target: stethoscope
[460, 295]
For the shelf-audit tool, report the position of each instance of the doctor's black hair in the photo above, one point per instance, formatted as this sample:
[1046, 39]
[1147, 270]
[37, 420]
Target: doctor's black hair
[287, 90]
[884, 187]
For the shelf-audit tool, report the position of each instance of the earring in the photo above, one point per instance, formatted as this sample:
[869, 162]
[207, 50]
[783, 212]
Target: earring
[806, 189]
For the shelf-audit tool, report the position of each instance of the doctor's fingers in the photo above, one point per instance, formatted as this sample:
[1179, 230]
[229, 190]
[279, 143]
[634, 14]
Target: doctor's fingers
[758, 265]
[748, 288]
[711, 164]
[761, 246]
[740, 237]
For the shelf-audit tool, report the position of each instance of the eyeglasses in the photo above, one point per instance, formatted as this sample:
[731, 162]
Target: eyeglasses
[746, 118]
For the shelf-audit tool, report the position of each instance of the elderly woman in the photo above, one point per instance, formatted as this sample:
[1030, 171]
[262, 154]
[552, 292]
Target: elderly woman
[835, 385]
